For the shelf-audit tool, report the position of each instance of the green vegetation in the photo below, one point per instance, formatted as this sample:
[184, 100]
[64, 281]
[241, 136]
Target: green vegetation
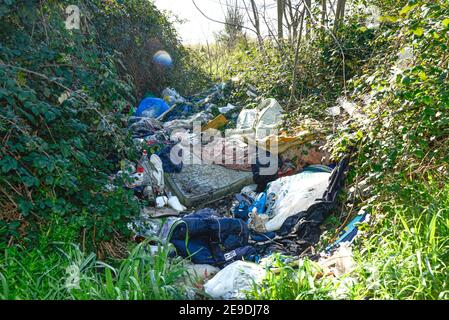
[294, 283]
[403, 256]
[400, 150]
[64, 96]
[62, 91]
[61, 272]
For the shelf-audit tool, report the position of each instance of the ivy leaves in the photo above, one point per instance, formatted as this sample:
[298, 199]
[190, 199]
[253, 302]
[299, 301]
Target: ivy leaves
[7, 164]
[53, 159]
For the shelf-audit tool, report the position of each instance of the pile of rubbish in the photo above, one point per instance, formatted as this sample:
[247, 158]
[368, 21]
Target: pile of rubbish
[228, 203]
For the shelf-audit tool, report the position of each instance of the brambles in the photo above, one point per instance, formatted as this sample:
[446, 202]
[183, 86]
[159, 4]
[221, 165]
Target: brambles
[64, 93]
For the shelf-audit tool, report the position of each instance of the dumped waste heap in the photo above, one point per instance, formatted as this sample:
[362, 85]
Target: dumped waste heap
[227, 186]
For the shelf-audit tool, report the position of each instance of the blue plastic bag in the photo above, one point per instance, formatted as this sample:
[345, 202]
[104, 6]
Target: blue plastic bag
[151, 107]
[259, 203]
[241, 210]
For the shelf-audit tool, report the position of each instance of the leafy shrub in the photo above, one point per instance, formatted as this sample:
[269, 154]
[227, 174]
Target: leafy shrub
[63, 98]
[137, 29]
[319, 73]
[400, 153]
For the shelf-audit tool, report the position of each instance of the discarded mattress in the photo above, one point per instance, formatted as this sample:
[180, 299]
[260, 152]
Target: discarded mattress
[229, 152]
[202, 183]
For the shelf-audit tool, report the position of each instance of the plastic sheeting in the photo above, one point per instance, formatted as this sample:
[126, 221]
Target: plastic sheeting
[234, 280]
[246, 120]
[187, 124]
[302, 230]
[260, 121]
[269, 117]
[293, 194]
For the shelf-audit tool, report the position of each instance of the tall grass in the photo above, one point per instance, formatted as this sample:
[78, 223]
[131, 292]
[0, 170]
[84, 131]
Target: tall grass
[285, 282]
[70, 274]
[405, 255]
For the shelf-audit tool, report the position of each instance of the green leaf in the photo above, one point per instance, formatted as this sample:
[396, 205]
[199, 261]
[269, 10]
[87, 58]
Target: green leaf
[418, 31]
[25, 207]
[445, 22]
[363, 29]
[8, 163]
[388, 19]
[109, 283]
[30, 181]
[427, 100]
[359, 135]
[432, 230]
[406, 9]
[422, 75]
[47, 92]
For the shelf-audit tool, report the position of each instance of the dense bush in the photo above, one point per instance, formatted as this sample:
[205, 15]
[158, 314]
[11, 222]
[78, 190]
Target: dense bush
[402, 155]
[320, 74]
[399, 171]
[62, 101]
[137, 29]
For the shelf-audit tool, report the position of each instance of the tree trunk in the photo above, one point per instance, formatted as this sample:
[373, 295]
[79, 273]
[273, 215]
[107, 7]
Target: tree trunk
[323, 13]
[340, 13]
[298, 46]
[308, 4]
[257, 22]
[280, 7]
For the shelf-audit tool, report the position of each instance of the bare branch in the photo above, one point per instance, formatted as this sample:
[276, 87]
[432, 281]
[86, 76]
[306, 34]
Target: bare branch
[221, 22]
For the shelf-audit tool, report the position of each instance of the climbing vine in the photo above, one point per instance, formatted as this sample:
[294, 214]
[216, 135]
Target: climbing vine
[64, 95]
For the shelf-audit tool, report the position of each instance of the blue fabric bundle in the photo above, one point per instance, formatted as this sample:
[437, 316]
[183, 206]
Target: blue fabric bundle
[208, 239]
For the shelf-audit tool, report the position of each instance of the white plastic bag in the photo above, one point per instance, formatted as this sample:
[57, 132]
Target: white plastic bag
[226, 109]
[152, 175]
[198, 273]
[171, 96]
[174, 203]
[295, 194]
[157, 171]
[161, 202]
[269, 117]
[234, 280]
[260, 121]
[246, 119]
[340, 263]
